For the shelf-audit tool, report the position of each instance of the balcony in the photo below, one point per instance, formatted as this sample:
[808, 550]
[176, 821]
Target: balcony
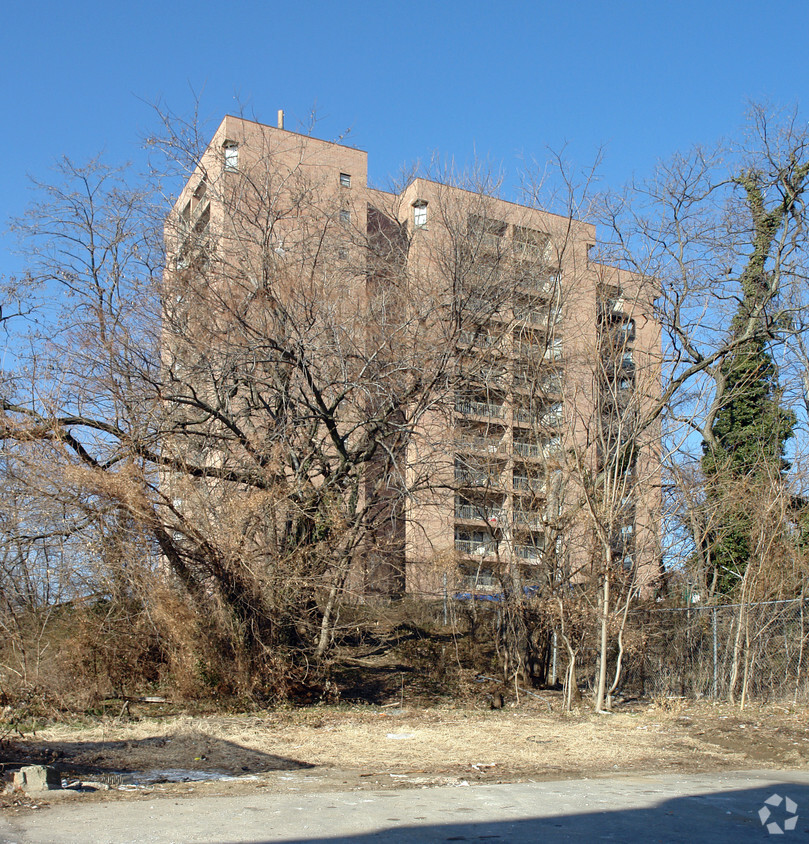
[553, 416]
[487, 376]
[477, 513]
[484, 308]
[533, 252]
[550, 416]
[611, 309]
[622, 331]
[549, 385]
[525, 416]
[482, 581]
[530, 519]
[542, 317]
[486, 444]
[479, 408]
[528, 552]
[543, 283]
[525, 483]
[481, 339]
[538, 450]
[493, 242]
[467, 477]
[529, 449]
[627, 363]
[476, 547]
[539, 352]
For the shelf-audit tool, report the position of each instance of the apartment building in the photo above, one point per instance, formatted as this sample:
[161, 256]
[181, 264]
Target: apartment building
[518, 376]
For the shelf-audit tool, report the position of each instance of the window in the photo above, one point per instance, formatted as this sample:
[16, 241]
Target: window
[627, 361]
[345, 180]
[420, 214]
[231, 156]
[345, 216]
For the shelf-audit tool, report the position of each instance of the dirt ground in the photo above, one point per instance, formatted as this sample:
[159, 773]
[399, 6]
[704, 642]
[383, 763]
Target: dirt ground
[367, 747]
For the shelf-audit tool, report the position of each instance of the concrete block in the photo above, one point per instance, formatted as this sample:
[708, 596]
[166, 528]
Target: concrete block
[37, 778]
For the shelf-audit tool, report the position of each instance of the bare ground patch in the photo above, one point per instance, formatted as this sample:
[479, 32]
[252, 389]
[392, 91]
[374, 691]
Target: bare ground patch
[322, 748]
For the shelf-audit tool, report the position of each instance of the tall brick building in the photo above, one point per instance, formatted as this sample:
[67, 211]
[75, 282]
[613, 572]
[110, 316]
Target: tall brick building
[532, 447]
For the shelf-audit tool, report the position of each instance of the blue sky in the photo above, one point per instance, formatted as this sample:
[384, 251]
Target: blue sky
[500, 80]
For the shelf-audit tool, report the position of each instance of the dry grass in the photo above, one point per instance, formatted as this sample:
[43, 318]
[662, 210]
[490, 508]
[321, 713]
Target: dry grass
[378, 747]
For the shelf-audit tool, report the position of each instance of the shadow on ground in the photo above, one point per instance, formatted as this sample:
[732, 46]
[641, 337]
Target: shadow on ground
[177, 756]
[724, 816]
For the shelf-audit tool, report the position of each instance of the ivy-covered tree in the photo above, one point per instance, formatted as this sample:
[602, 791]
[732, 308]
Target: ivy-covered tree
[750, 432]
[749, 428]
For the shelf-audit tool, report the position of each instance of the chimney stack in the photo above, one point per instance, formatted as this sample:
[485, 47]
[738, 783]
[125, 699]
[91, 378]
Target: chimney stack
[280, 118]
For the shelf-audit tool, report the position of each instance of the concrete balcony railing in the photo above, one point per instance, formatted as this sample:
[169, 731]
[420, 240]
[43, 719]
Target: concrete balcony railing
[479, 408]
[473, 512]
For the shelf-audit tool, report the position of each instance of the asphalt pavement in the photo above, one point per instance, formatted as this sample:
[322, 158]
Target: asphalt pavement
[730, 807]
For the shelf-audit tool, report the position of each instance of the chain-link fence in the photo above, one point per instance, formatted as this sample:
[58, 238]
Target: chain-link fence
[760, 649]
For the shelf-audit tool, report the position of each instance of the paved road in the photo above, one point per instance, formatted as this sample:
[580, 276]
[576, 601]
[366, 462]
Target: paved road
[667, 808]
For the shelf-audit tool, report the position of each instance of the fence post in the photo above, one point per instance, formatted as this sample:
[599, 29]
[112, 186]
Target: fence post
[446, 601]
[715, 660]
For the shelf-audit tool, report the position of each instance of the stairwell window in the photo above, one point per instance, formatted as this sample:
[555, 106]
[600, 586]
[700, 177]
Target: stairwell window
[345, 216]
[420, 214]
[231, 157]
[345, 180]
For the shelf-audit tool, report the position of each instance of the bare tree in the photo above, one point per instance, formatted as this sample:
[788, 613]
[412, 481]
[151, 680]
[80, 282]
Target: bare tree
[253, 402]
[723, 231]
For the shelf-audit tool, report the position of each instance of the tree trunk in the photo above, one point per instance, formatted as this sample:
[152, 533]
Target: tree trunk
[602, 659]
